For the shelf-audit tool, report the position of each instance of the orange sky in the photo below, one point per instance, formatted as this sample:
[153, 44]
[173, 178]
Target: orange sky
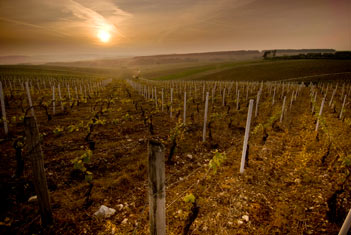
[68, 28]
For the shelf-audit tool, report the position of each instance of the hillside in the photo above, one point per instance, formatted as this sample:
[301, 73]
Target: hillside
[166, 59]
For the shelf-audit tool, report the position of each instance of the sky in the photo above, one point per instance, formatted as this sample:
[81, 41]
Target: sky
[69, 28]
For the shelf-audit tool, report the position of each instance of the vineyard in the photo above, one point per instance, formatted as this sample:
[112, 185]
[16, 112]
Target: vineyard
[241, 157]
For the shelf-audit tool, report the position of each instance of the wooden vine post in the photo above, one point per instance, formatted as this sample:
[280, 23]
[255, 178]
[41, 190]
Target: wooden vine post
[342, 107]
[237, 100]
[30, 100]
[223, 99]
[170, 108]
[39, 178]
[184, 114]
[77, 97]
[69, 93]
[314, 101]
[53, 100]
[162, 100]
[60, 97]
[156, 97]
[205, 119]
[3, 111]
[257, 102]
[331, 99]
[342, 92]
[80, 90]
[346, 225]
[247, 92]
[157, 189]
[85, 92]
[320, 114]
[283, 109]
[291, 100]
[246, 138]
[203, 92]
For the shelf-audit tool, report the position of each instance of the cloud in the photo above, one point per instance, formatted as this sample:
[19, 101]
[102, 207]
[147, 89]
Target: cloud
[200, 17]
[93, 16]
[78, 19]
[36, 26]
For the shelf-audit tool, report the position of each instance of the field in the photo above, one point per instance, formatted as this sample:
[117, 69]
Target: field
[254, 70]
[95, 146]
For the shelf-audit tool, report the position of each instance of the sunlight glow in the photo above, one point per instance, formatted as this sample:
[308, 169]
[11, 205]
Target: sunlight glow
[104, 35]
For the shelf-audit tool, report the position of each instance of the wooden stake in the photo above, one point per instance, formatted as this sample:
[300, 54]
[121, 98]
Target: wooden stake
[69, 93]
[59, 90]
[156, 97]
[205, 119]
[236, 87]
[346, 225]
[283, 109]
[30, 100]
[223, 100]
[320, 114]
[170, 108]
[39, 178]
[81, 90]
[203, 92]
[184, 114]
[331, 99]
[3, 111]
[77, 97]
[157, 189]
[314, 101]
[53, 100]
[247, 91]
[162, 100]
[246, 137]
[342, 91]
[257, 102]
[342, 107]
[237, 100]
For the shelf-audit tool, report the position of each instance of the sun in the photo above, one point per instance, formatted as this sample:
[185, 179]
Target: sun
[104, 36]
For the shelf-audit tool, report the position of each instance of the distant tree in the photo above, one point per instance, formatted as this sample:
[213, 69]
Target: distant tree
[343, 55]
[328, 55]
[266, 54]
[274, 52]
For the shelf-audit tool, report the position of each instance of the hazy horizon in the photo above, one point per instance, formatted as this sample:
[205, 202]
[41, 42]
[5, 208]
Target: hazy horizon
[86, 29]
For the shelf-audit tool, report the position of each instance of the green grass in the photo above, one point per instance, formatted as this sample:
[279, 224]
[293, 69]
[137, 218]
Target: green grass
[185, 73]
[254, 70]
[249, 70]
[188, 71]
[280, 70]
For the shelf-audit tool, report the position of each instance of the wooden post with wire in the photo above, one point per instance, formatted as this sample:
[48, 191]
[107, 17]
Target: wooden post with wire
[346, 225]
[157, 189]
[184, 109]
[3, 110]
[246, 137]
[320, 114]
[205, 118]
[39, 178]
[283, 110]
